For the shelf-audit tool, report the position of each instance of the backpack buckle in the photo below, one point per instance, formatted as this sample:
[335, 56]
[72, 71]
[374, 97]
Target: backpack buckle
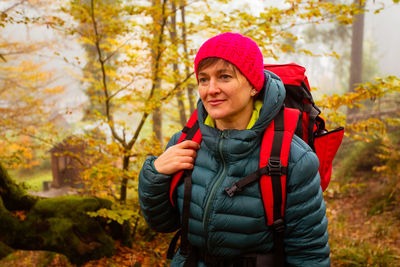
[232, 190]
[279, 225]
[275, 168]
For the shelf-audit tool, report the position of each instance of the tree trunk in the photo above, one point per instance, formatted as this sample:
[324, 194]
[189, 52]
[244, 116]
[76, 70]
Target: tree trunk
[356, 52]
[56, 224]
[124, 183]
[126, 229]
[157, 124]
[179, 95]
[158, 33]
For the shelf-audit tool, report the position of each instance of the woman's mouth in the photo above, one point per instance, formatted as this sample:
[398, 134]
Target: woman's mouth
[215, 102]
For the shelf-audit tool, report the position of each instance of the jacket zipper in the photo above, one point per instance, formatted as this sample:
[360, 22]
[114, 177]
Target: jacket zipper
[214, 188]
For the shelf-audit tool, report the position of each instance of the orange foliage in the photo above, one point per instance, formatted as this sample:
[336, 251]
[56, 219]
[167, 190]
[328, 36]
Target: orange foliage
[145, 254]
[20, 214]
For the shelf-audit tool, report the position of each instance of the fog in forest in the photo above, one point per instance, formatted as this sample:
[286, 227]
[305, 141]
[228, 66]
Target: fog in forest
[380, 32]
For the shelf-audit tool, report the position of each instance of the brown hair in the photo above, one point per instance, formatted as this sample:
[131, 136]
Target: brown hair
[207, 62]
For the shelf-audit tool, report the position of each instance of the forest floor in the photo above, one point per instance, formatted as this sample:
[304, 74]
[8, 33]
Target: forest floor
[364, 225]
[363, 231]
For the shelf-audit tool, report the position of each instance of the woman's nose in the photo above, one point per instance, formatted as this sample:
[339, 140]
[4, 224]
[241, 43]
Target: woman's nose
[214, 87]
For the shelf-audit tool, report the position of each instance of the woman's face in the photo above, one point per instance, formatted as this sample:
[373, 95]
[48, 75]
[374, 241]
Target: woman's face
[227, 95]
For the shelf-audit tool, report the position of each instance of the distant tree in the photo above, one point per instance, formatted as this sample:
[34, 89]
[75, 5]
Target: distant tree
[27, 91]
[356, 62]
[175, 67]
[92, 89]
[159, 18]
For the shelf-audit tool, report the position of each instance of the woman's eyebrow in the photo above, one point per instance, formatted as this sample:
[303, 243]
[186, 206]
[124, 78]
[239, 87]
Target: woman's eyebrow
[218, 72]
[202, 74]
[226, 70]
[223, 70]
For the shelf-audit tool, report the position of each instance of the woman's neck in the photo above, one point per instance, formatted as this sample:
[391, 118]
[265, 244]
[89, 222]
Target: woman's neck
[238, 122]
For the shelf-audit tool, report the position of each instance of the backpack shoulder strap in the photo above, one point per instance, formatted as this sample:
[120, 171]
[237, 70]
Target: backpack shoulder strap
[275, 148]
[274, 155]
[190, 132]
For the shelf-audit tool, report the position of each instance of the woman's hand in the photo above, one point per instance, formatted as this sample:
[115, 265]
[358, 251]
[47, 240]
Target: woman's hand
[178, 157]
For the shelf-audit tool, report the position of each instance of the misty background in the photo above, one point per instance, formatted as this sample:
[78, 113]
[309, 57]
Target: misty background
[379, 32]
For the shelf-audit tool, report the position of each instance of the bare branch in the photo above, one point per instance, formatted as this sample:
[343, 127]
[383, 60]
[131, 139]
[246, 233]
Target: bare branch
[12, 7]
[124, 135]
[121, 89]
[156, 70]
[173, 90]
[116, 50]
[110, 120]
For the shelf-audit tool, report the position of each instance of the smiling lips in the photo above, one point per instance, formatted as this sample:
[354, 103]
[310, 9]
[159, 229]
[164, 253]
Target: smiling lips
[215, 102]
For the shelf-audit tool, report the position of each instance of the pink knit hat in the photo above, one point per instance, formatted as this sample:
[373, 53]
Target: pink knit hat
[238, 50]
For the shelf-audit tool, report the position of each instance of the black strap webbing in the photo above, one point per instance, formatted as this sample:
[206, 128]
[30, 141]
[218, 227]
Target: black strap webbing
[299, 127]
[311, 122]
[275, 160]
[278, 222]
[185, 247]
[279, 251]
[187, 176]
[190, 132]
[255, 176]
[172, 245]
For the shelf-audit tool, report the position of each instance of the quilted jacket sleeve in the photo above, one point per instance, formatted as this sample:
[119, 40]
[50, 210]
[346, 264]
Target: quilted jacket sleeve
[306, 236]
[154, 196]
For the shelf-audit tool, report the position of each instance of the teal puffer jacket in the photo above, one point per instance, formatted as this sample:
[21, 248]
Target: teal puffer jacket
[226, 226]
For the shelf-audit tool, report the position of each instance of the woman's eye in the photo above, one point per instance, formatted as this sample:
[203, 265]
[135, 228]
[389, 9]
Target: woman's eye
[202, 80]
[225, 76]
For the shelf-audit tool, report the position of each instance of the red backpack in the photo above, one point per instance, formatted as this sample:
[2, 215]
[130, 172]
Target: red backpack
[299, 116]
[311, 127]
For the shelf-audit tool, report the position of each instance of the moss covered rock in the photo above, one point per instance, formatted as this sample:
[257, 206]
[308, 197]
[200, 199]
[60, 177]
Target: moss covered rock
[58, 224]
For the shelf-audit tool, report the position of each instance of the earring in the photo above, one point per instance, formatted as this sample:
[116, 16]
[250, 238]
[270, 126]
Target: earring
[253, 92]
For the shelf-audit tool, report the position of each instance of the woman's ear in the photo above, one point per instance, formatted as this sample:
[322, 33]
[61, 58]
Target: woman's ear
[253, 92]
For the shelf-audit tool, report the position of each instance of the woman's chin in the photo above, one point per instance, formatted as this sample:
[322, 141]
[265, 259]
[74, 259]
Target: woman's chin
[217, 115]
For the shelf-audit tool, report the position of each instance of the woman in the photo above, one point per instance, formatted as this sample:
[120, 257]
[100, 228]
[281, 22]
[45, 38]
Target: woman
[238, 100]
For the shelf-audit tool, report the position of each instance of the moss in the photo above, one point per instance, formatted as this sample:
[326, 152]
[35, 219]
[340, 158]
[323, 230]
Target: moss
[70, 205]
[9, 225]
[14, 197]
[56, 224]
[62, 225]
[5, 250]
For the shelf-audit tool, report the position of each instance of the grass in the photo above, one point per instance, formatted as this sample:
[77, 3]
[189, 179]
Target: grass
[364, 253]
[33, 181]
